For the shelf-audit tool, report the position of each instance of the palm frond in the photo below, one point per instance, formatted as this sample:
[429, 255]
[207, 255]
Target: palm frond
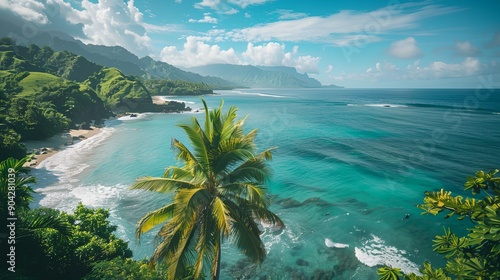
[245, 233]
[220, 213]
[35, 221]
[162, 185]
[154, 218]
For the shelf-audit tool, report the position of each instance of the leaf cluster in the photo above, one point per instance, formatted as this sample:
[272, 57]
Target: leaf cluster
[476, 255]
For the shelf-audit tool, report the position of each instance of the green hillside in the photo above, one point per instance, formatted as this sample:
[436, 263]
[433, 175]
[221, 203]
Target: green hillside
[36, 80]
[120, 92]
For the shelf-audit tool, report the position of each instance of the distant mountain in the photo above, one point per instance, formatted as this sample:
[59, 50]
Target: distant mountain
[258, 76]
[116, 56]
[157, 69]
[220, 76]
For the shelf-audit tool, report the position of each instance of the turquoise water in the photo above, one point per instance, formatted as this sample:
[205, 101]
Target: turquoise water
[349, 165]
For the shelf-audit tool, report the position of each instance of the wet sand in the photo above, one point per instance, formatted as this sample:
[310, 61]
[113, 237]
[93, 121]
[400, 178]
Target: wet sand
[44, 149]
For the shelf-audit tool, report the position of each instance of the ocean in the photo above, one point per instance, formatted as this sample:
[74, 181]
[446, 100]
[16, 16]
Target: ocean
[349, 165]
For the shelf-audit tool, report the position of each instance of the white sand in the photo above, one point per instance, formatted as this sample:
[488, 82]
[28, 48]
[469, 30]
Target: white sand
[48, 147]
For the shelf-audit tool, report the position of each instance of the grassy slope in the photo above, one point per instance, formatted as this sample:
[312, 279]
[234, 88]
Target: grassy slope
[115, 87]
[36, 80]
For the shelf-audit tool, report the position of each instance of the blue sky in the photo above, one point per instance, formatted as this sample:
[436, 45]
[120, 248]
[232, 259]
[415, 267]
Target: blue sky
[349, 43]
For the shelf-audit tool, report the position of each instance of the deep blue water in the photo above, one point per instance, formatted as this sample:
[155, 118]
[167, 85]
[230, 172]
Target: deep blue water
[350, 164]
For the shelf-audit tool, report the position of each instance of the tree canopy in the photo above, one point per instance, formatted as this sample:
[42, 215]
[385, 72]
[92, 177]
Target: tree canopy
[476, 255]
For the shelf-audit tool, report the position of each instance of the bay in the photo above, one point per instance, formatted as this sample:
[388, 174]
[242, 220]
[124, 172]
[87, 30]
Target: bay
[349, 165]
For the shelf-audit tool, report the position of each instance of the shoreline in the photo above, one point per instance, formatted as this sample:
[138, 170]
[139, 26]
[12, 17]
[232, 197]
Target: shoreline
[43, 149]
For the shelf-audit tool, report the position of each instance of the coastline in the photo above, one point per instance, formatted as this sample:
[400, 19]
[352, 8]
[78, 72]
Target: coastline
[158, 100]
[43, 149]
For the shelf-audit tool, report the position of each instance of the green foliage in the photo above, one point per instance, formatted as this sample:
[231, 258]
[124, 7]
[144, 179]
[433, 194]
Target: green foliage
[118, 90]
[41, 102]
[477, 255]
[70, 248]
[219, 192]
[15, 185]
[35, 120]
[123, 269]
[10, 147]
[176, 87]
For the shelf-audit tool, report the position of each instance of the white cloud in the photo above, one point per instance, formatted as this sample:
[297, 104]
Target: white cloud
[344, 27]
[113, 22]
[466, 49]
[247, 15]
[30, 10]
[213, 4]
[195, 52]
[274, 54]
[106, 22]
[387, 72]
[206, 19]
[404, 49]
[222, 5]
[438, 69]
[245, 3]
[289, 14]
[329, 69]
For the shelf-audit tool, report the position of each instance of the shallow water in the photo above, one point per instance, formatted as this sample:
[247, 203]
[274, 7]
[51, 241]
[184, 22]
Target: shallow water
[349, 165]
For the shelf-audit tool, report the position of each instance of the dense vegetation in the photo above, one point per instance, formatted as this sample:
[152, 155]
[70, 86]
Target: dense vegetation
[176, 87]
[50, 244]
[476, 255]
[43, 92]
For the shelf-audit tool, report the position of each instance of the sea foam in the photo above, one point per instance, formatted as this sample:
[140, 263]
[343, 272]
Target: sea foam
[375, 252]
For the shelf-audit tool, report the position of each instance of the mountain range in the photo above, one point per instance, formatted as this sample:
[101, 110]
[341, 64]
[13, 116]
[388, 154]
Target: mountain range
[220, 76]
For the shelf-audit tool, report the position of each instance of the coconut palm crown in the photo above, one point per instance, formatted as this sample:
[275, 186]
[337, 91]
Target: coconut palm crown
[219, 193]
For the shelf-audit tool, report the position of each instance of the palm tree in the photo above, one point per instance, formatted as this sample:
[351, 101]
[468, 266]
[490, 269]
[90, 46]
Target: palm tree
[218, 193]
[15, 184]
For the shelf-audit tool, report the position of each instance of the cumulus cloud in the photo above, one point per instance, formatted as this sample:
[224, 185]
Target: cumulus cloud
[206, 19]
[196, 52]
[274, 54]
[466, 49]
[30, 10]
[105, 22]
[404, 49]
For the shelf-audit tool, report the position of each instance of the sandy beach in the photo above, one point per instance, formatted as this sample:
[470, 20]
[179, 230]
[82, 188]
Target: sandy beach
[43, 149]
[158, 100]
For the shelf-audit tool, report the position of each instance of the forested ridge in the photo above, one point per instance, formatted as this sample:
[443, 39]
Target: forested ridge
[43, 92]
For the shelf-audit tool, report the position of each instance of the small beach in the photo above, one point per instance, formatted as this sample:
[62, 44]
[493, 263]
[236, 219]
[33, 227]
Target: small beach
[46, 148]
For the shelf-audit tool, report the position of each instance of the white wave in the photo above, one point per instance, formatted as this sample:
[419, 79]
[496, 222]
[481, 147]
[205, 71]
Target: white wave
[259, 94]
[99, 195]
[63, 168]
[380, 105]
[129, 118]
[329, 243]
[375, 252]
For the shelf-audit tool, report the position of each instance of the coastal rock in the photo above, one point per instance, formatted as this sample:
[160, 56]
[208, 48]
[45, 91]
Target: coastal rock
[85, 126]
